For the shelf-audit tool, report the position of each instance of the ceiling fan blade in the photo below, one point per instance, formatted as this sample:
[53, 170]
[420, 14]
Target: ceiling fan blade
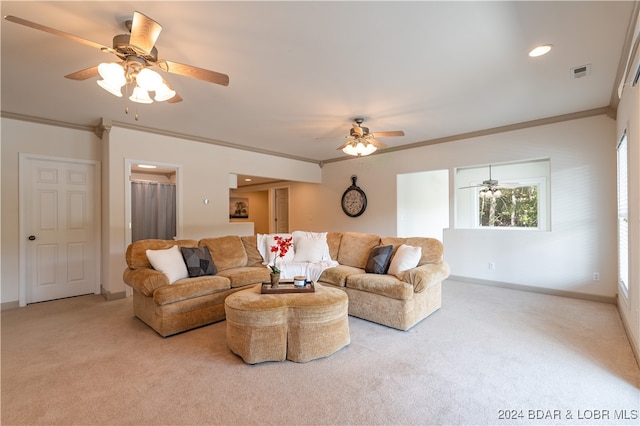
[59, 33]
[344, 145]
[472, 186]
[385, 134]
[83, 74]
[144, 32]
[194, 72]
[357, 129]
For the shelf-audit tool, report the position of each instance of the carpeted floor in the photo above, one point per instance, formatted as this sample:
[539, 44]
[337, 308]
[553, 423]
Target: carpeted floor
[489, 356]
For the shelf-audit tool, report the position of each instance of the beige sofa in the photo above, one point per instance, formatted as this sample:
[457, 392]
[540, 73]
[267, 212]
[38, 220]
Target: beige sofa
[191, 302]
[383, 298]
[398, 302]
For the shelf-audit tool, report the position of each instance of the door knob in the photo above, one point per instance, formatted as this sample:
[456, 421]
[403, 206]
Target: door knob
[32, 237]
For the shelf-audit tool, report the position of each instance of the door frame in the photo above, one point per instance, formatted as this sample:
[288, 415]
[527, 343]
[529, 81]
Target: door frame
[23, 159]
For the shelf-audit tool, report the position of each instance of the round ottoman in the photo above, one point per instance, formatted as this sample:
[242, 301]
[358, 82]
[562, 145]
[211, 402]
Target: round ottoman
[294, 326]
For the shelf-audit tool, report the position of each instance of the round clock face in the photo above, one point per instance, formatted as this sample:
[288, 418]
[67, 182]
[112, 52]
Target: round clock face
[354, 202]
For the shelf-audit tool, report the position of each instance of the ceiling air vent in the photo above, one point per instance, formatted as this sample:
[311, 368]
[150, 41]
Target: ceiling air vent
[581, 71]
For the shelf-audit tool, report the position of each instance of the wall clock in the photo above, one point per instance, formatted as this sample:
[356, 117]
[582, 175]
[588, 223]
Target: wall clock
[354, 200]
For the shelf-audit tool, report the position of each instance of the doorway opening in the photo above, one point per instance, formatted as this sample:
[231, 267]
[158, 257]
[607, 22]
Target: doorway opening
[152, 198]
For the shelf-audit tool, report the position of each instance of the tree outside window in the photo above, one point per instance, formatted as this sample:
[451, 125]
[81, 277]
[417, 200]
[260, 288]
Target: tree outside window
[515, 206]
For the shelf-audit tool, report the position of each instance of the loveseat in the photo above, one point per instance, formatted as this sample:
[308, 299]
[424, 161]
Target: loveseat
[382, 285]
[400, 298]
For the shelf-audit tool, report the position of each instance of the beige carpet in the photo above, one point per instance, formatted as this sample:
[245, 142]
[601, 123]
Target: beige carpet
[87, 361]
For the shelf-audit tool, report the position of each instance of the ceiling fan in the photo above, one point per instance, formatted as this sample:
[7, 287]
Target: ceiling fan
[362, 142]
[137, 54]
[490, 187]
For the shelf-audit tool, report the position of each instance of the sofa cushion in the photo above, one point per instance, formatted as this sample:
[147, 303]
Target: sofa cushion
[333, 241]
[246, 275]
[254, 258]
[136, 256]
[379, 260]
[355, 248]
[384, 285]
[198, 261]
[338, 275]
[169, 262]
[190, 288]
[405, 258]
[227, 252]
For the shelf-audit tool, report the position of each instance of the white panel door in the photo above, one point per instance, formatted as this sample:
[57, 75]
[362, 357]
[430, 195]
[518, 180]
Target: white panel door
[61, 258]
[282, 210]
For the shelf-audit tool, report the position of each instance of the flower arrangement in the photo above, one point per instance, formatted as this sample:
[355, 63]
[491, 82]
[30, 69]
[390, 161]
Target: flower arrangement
[280, 248]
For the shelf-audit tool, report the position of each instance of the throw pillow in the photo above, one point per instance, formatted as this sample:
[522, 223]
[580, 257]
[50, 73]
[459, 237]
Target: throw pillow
[309, 250]
[169, 262]
[297, 235]
[379, 260]
[198, 261]
[406, 257]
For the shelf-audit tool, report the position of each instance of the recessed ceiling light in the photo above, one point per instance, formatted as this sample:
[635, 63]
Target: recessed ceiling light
[540, 50]
[146, 166]
[247, 179]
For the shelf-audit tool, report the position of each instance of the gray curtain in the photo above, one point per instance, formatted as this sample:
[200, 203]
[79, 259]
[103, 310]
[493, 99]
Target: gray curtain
[153, 210]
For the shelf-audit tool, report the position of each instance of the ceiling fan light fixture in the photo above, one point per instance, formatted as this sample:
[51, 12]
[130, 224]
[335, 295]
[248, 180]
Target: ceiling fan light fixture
[149, 80]
[164, 93]
[113, 78]
[140, 96]
[113, 73]
[359, 148]
[114, 90]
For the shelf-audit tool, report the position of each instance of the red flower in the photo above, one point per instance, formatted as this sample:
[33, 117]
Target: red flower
[280, 248]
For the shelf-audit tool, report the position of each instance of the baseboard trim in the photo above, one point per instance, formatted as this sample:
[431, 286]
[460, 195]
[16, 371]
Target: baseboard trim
[533, 289]
[108, 296]
[6, 306]
[632, 341]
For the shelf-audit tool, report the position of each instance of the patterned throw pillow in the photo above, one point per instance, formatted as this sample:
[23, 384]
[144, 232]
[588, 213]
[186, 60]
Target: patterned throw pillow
[379, 260]
[198, 261]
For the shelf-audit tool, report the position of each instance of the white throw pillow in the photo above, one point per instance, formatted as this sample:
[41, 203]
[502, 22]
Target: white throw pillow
[309, 250]
[322, 236]
[406, 257]
[170, 262]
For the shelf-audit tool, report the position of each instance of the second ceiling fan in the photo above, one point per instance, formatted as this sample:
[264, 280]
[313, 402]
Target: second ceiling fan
[362, 142]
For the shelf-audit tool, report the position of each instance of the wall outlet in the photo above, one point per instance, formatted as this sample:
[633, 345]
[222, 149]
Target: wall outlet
[596, 276]
[492, 265]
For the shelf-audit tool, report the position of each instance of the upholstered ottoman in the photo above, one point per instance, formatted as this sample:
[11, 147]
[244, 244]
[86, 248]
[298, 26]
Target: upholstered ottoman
[294, 326]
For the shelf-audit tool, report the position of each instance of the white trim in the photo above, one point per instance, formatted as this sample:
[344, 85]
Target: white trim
[23, 158]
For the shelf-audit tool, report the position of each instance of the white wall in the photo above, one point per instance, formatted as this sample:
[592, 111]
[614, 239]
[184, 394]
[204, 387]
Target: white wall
[423, 204]
[583, 216]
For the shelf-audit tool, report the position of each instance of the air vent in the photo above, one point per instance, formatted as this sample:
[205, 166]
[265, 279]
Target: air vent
[581, 71]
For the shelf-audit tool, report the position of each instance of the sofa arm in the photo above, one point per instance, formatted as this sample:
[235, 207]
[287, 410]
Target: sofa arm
[423, 277]
[145, 280]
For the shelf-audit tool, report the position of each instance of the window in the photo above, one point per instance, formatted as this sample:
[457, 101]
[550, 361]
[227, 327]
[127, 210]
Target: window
[623, 217]
[504, 196]
[514, 205]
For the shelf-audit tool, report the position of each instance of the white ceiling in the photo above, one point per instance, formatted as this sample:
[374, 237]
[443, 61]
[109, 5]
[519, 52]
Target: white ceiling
[301, 71]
